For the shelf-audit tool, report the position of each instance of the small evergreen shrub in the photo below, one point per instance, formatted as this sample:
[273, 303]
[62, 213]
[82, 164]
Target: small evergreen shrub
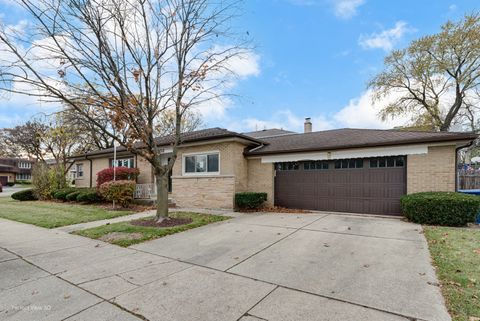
[121, 174]
[10, 184]
[119, 191]
[25, 195]
[89, 196]
[440, 208]
[72, 197]
[61, 194]
[250, 200]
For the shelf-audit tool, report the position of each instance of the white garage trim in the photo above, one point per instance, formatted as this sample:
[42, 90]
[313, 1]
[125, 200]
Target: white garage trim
[349, 153]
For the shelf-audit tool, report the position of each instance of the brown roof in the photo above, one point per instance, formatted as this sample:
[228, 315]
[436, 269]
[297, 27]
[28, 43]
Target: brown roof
[195, 136]
[269, 133]
[352, 138]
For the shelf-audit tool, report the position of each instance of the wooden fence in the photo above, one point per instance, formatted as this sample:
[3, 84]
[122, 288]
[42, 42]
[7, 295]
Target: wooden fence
[468, 179]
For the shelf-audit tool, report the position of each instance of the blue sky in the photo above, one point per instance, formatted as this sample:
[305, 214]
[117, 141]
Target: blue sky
[312, 58]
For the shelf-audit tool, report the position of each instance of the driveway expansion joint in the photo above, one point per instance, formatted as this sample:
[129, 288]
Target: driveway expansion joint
[363, 235]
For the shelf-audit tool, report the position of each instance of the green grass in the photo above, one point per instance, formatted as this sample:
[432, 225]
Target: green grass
[51, 214]
[149, 233]
[456, 253]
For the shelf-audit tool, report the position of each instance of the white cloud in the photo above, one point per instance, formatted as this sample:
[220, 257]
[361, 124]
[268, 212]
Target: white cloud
[360, 112]
[346, 9]
[343, 9]
[386, 39]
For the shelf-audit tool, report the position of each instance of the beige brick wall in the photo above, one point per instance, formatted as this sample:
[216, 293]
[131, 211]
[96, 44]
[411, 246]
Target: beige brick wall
[204, 192]
[434, 171]
[85, 180]
[261, 178]
[212, 191]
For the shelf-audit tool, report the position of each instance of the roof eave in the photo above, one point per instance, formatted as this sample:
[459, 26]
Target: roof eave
[399, 143]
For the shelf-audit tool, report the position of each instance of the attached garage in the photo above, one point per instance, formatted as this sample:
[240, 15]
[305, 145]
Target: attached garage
[361, 185]
[353, 170]
[4, 180]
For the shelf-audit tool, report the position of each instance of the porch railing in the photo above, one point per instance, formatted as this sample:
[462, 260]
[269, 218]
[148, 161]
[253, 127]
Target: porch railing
[145, 191]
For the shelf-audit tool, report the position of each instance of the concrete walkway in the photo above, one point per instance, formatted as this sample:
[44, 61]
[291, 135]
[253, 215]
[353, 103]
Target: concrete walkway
[275, 267]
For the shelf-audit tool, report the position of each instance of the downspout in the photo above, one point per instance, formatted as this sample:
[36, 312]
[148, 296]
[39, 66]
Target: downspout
[91, 169]
[456, 163]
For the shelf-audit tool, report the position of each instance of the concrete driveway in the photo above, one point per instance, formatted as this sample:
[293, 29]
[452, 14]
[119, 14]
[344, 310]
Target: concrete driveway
[275, 267]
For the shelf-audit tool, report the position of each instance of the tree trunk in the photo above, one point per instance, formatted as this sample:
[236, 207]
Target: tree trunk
[162, 196]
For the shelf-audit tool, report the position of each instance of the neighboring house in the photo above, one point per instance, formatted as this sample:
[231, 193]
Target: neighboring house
[343, 170]
[14, 170]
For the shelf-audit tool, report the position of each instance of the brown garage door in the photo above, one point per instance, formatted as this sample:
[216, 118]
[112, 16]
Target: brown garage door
[372, 186]
[4, 180]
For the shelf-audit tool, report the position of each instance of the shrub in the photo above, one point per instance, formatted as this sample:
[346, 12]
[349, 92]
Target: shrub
[250, 200]
[72, 197]
[118, 191]
[46, 180]
[61, 194]
[121, 174]
[89, 196]
[10, 184]
[25, 195]
[440, 208]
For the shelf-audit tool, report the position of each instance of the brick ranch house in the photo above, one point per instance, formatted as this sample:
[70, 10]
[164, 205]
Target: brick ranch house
[342, 170]
[14, 170]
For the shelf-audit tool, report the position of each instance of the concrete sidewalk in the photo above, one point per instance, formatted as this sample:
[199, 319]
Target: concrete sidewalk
[275, 267]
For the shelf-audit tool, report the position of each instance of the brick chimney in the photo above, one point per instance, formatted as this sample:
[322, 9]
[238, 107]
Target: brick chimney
[307, 126]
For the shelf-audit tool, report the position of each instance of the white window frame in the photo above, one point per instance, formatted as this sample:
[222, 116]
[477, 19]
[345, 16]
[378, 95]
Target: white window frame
[23, 177]
[132, 159]
[210, 152]
[24, 165]
[77, 171]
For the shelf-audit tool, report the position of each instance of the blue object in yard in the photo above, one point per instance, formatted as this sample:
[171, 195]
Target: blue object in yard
[472, 192]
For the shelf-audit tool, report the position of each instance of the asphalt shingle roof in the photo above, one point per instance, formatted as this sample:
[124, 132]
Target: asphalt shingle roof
[198, 135]
[268, 133]
[352, 138]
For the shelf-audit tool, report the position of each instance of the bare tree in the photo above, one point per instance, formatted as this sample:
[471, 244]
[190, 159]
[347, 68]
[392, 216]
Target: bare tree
[130, 59]
[436, 78]
[27, 139]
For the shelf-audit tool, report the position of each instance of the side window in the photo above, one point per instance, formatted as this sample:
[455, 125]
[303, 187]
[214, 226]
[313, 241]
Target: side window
[202, 163]
[79, 170]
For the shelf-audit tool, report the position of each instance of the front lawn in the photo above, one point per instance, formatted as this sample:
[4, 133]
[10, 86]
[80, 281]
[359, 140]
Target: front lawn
[51, 214]
[126, 234]
[456, 254]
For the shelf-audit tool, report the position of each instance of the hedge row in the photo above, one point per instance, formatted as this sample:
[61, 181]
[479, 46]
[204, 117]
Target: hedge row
[440, 208]
[250, 200]
[83, 195]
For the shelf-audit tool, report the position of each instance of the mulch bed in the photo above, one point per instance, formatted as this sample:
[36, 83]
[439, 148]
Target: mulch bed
[165, 223]
[274, 209]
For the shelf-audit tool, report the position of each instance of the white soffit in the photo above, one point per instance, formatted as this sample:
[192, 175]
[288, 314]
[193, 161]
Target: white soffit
[349, 153]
